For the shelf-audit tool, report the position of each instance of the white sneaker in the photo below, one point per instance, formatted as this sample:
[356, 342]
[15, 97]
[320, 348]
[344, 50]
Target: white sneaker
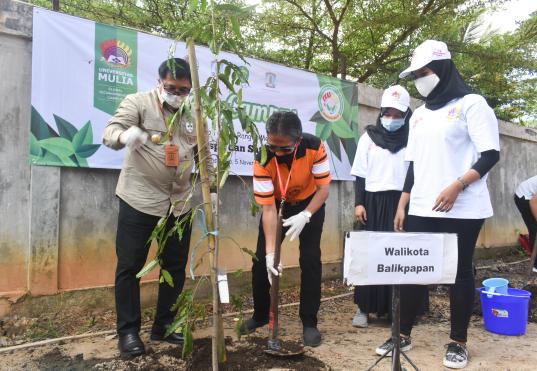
[405, 344]
[534, 270]
[360, 319]
[456, 356]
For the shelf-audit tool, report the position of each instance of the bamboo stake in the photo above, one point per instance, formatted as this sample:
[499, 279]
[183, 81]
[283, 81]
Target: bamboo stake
[218, 345]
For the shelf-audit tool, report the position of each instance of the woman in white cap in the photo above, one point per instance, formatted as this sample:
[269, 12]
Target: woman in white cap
[379, 167]
[453, 143]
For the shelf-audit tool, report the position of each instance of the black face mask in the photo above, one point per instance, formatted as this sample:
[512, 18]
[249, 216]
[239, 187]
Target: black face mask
[285, 159]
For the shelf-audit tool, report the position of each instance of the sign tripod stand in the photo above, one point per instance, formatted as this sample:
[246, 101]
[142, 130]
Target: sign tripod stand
[395, 350]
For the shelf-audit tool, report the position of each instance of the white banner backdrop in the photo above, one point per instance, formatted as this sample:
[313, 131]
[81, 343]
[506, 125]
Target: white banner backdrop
[81, 70]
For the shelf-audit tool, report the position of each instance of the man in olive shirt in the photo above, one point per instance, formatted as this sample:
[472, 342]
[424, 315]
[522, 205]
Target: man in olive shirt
[156, 176]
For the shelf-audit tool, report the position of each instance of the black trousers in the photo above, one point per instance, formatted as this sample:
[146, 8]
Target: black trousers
[523, 206]
[133, 231]
[310, 267]
[461, 294]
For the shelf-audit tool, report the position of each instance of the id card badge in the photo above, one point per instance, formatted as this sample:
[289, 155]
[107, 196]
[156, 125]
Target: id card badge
[172, 155]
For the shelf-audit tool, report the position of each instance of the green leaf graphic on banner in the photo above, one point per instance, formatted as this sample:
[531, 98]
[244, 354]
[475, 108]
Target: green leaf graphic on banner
[337, 118]
[71, 148]
[342, 129]
[65, 129]
[87, 150]
[39, 128]
[116, 60]
[60, 147]
[35, 148]
[84, 136]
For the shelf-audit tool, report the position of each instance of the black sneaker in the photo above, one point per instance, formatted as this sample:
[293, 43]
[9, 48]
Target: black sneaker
[405, 345]
[457, 356]
[250, 325]
[312, 337]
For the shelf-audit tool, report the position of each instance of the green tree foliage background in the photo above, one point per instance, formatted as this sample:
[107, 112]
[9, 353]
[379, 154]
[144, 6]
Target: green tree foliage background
[369, 41]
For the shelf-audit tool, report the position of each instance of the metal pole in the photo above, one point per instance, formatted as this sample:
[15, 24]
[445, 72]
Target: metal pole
[396, 320]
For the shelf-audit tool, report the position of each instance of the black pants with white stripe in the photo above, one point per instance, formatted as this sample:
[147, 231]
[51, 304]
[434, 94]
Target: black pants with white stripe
[462, 293]
[310, 267]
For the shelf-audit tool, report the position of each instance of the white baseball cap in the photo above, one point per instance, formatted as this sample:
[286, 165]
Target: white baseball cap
[426, 52]
[396, 97]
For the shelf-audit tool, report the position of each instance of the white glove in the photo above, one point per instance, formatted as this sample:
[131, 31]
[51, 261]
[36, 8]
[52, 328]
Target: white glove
[269, 258]
[214, 202]
[296, 223]
[133, 138]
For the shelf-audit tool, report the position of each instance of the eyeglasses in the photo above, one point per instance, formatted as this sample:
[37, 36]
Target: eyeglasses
[273, 148]
[174, 91]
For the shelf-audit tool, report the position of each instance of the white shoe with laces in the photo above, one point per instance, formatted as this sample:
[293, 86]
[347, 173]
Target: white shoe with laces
[405, 344]
[360, 319]
[457, 356]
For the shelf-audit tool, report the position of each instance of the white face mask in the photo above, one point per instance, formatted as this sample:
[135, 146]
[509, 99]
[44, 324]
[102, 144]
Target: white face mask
[426, 84]
[391, 124]
[173, 100]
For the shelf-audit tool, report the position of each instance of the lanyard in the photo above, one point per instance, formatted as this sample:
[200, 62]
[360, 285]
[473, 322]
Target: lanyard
[282, 189]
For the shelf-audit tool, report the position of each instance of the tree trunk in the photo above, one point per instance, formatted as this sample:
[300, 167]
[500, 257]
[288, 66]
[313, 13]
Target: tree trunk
[218, 345]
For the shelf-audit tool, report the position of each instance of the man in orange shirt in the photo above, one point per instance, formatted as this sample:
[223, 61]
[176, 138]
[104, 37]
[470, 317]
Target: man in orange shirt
[297, 171]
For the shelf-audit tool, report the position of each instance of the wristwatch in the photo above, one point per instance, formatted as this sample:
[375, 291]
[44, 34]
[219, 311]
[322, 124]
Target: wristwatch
[464, 183]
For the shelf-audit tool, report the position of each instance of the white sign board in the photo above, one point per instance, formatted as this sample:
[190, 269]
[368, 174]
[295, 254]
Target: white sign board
[386, 258]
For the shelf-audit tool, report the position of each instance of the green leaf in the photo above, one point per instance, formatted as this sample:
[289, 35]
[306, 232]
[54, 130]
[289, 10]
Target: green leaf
[39, 128]
[326, 131]
[249, 252]
[35, 148]
[263, 154]
[174, 326]
[192, 5]
[188, 345]
[167, 277]
[66, 129]
[342, 130]
[82, 162]
[236, 26]
[334, 145]
[238, 326]
[83, 136]
[225, 79]
[61, 147]
[148, 268]
[50, 159]
[87, 150]
[224, 178]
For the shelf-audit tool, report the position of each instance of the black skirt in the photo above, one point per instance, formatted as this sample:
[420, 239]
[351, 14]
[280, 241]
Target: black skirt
[380, 209]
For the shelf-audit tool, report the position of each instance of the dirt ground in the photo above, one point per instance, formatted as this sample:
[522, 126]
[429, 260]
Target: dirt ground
[343, 347]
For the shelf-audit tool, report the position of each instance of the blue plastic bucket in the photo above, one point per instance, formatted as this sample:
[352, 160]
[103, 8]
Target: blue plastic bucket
[505, 314]
[498, 285]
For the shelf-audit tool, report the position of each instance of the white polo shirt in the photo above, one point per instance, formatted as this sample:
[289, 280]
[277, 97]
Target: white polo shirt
[382, 169]
[444, 144]
[527, 189]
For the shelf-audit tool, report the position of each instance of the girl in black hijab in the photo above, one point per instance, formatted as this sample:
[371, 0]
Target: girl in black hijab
[453, 143]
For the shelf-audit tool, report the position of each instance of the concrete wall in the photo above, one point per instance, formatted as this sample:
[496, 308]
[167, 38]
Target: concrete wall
[58, 225]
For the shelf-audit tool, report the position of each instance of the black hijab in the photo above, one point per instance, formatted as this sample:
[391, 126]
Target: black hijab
[450, 86]
[393, 141]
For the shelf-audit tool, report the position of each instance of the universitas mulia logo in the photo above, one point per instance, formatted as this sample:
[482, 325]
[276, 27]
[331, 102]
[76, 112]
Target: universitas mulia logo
[331, 103]
[116, 53]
